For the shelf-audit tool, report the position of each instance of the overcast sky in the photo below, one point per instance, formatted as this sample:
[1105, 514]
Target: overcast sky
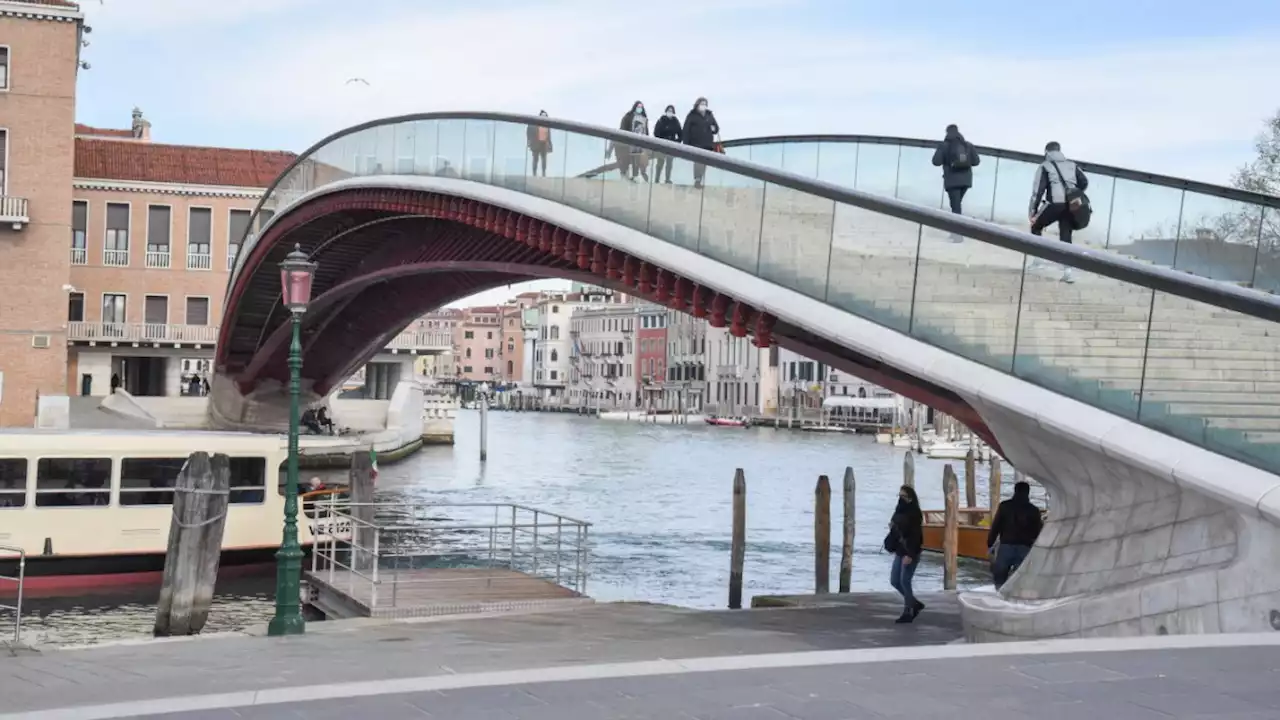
[1176, 87]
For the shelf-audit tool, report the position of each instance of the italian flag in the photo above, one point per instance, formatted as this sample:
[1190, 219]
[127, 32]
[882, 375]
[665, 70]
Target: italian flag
[373, 460]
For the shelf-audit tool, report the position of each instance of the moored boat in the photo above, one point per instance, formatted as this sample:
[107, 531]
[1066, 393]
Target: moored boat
[727, 422]
[92, 508]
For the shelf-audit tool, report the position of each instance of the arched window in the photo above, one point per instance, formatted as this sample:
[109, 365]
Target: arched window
[555, 332]
[510, 368]
[555, 356]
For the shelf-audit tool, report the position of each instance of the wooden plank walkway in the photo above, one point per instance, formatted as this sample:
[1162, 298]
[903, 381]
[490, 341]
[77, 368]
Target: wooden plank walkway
[432, 592]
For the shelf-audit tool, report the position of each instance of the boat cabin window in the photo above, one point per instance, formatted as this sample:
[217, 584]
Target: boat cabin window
[248, 479]
[149, 481]
[73, 482]
[13, 482]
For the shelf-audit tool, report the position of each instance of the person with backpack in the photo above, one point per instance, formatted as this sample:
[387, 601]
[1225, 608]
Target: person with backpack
[1058, 197]
[1015, 527]
[957, 158]
[667, 128]
[905, 540]
[701, 131]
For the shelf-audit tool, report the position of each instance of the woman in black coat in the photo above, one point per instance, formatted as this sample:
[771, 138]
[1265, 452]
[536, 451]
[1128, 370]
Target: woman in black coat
[905, 538]
[667, 128]
[700, 131]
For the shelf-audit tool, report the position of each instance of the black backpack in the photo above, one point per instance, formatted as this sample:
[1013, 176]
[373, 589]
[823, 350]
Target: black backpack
[960, 159]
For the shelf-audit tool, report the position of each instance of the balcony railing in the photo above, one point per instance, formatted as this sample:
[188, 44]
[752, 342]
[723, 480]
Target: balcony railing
[79, 256]
[231, 262]
[115, 258]
[157, 259]
[84, 331]
[142, 333]
[13, 210]
[439, 340]
[199, 261]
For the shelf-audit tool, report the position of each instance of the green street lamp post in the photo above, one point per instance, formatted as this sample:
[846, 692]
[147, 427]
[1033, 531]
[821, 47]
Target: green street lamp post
[296, 273]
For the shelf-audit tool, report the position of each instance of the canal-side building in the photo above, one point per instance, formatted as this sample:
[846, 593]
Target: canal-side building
[478, 339]
[651, 353]
[603, 357]
[686, 383]
[551, 363]
[733, 374]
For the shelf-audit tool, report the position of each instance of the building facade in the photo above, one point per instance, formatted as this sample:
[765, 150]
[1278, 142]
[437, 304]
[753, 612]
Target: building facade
[155, 230]
[733, 374]
[554, 346]
[603, 358]
[686, 383]
[651, 353]
[39, 59]
[478, 337]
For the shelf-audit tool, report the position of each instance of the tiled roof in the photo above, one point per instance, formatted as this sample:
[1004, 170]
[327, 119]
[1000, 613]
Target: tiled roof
[82, 129]
[179, 164]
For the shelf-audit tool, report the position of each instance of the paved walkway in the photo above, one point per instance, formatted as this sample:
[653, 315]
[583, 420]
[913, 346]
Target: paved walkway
[1219, 683]
[1169, 678]
[355, 651]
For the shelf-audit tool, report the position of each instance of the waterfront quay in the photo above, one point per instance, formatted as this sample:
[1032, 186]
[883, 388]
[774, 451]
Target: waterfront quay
[630, 660]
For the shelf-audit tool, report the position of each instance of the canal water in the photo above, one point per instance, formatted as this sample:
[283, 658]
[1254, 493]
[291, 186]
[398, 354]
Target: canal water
[658, 496]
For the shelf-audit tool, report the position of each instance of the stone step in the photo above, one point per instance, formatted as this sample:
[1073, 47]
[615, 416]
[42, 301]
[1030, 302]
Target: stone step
[1213, 390]
[1239, 410]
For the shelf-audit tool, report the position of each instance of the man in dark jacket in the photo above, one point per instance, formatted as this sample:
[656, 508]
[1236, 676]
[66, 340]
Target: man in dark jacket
[957, 158]
[700, 131]
[668, 128]
[1016, 526]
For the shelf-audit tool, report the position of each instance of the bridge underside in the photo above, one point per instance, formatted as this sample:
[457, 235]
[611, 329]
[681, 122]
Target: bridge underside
[1146, 535]
[386, 257]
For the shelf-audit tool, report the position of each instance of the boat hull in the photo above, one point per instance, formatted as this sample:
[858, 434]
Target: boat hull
[69, 575]
[973, 541]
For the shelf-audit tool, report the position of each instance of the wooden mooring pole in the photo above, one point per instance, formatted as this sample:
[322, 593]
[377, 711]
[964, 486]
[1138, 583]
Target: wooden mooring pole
[200, 496]
[909, 470]
[994, 486]
[363, 532]
[850, 521]
[970, 480]
[822, 536]
[951, 527]
[484, 428]
[738, 549]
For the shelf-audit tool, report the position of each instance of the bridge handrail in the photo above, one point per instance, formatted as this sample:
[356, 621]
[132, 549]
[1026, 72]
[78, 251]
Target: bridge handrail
[1170, 181]
[1212, 292]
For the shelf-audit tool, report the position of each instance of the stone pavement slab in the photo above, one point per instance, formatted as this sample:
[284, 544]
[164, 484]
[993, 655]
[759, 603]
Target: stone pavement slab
[1240, 683]
[364, 650]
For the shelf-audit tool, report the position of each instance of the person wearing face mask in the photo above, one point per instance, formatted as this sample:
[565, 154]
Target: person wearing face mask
[539, 138]
[633, 160]
[668, 128]
[904, 540]
[700, 130]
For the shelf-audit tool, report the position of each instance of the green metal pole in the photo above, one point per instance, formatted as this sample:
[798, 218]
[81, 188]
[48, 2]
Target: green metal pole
[288, 618]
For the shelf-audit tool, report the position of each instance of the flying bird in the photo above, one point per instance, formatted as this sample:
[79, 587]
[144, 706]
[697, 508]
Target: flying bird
[357, 80]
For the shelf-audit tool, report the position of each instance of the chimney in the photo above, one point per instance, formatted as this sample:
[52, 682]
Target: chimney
[141, 126]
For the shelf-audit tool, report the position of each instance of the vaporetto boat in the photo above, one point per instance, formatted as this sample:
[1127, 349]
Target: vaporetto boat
[93, 508]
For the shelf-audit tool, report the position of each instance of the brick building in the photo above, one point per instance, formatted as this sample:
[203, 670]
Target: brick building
[39, 58]
[651, 353]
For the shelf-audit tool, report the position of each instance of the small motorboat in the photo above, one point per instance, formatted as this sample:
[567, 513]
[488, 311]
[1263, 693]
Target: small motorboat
[727, 422]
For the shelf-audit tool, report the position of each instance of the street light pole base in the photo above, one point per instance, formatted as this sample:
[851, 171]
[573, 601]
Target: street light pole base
[292, 625]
